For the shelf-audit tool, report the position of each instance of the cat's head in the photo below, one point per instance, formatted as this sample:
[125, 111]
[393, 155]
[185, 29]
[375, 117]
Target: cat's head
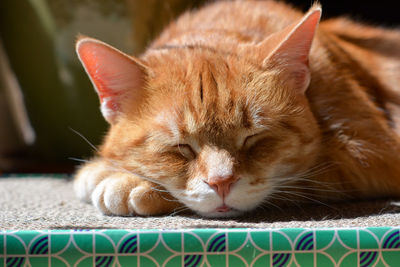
[221, 131]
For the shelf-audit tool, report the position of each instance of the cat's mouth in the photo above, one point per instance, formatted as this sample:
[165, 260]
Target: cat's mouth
[223, 208]
[222, 211]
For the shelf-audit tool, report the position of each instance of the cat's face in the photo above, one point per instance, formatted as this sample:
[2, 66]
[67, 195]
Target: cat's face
[220, 127]
[217, 132]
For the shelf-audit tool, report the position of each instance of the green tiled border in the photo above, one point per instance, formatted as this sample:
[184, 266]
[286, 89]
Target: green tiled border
[202, 247]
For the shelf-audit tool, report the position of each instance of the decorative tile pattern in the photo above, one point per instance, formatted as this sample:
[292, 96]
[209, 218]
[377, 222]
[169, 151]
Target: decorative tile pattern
[363, 247]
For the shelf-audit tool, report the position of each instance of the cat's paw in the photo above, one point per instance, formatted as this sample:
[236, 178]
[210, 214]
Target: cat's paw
[121, 194]
[118, 193]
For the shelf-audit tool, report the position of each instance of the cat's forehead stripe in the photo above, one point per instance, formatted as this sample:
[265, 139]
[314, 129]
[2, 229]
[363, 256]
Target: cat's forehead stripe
[201, 88]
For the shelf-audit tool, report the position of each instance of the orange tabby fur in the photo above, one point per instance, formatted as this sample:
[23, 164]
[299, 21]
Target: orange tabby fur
[215, 101]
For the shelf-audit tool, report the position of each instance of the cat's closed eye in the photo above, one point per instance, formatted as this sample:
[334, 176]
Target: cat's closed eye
[259, 145]
[185, 150]
[252, 139]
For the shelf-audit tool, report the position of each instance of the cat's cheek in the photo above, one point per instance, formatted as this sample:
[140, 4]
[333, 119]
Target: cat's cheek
[245, 197]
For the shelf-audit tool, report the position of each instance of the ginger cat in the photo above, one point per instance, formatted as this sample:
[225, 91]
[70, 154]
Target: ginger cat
[241, 104]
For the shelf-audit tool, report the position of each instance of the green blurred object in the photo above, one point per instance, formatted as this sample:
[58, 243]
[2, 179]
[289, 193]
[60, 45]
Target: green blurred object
[38, 37]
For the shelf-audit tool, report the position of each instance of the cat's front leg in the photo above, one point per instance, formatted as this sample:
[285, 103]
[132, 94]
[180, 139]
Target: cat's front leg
[115, 192]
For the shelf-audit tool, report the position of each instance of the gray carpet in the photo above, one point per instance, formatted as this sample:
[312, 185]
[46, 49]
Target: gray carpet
[50, 203]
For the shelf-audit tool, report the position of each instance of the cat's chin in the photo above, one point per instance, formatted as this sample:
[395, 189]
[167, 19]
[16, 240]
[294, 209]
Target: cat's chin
[221, 214]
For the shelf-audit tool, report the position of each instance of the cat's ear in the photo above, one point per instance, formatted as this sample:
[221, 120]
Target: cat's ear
[114, 75]
[288, 50]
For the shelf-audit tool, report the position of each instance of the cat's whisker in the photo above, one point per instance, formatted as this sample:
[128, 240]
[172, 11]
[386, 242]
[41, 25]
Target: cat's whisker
[265, 207]
[79, 160]
[315, 186]
[175, 191]
[290, 203]
[179, 210]
[170, 199]
[85, 139]
[164, 197]
[160, 190]
[321, 165]
[282, 198]
[269, 203]
[296, 179]
[317, 182]
[317, 170]
[315, 173]
[297, 194]
[306, 188]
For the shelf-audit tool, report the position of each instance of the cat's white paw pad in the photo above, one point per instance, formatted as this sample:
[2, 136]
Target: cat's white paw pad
[87, 180]
[115, 193]
[122, 196]
[137, 200]
[110, 197]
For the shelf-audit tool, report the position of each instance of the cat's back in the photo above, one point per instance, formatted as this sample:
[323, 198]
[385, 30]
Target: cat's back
[229, 21]
[375, 48]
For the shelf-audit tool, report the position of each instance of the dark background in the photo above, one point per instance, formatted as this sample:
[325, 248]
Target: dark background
[385, 13]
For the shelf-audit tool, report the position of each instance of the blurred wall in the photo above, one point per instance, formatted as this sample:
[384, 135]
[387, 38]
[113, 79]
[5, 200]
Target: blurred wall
[38, 37]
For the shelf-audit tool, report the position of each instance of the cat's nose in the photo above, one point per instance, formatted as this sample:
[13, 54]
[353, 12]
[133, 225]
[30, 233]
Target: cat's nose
[222, 184]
